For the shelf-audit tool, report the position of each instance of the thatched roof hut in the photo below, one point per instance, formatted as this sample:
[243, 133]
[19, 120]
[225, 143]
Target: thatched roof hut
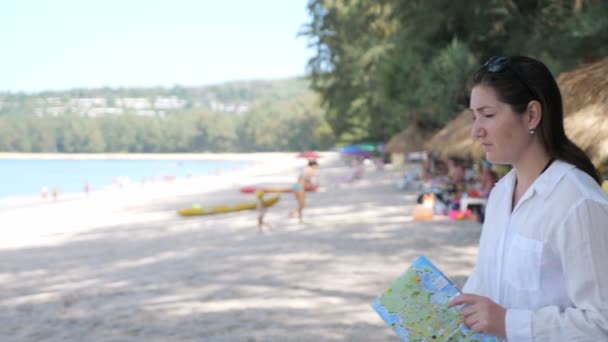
[409, 140]
[585, 94]
[454, 140]
[588, 128]
[584, 86]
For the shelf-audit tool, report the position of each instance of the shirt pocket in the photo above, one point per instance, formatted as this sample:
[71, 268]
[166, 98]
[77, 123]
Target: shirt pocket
[523, 264]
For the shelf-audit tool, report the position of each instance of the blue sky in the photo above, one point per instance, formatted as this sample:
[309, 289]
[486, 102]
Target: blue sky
[65, 44]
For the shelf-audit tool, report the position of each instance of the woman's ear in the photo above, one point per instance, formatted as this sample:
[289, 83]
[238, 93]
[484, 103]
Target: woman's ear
[534, 113]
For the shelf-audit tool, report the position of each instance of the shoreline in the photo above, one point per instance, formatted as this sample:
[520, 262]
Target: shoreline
[269, 164]
[46, 222]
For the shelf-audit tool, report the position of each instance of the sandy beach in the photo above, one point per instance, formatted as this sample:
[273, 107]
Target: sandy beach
[125, 267]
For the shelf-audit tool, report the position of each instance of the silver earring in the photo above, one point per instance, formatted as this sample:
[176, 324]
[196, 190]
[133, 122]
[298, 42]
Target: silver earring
[531, 131]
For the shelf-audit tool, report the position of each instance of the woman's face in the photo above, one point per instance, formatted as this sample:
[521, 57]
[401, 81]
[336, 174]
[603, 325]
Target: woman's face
[503, 134]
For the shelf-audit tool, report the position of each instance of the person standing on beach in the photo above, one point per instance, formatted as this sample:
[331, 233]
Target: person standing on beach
[261, 208]
[541, 269]
[55, 193]
[299, 188]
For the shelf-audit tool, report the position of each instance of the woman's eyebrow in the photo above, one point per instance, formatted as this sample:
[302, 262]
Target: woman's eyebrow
[479, 109]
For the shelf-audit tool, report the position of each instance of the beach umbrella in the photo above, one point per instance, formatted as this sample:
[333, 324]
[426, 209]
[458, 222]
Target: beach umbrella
[351, 149]
[309, 155]
[368, 147]
[361, 150]
[359, 153]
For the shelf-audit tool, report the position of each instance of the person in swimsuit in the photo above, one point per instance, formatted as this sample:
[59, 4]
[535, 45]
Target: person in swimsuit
[299, 188]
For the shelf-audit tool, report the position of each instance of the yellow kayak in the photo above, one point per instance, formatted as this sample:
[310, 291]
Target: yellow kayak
[220, 209]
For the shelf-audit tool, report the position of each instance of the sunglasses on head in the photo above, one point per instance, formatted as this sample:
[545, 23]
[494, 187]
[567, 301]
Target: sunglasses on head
[498, 64]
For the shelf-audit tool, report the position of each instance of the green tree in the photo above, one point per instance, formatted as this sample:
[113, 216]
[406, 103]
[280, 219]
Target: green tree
[352, 39]
[385, 65]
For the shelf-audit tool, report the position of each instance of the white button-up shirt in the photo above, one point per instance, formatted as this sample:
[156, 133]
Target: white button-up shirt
[546, 261]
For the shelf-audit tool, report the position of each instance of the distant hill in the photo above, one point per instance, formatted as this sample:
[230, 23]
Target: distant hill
[232, 97]
[252, 116]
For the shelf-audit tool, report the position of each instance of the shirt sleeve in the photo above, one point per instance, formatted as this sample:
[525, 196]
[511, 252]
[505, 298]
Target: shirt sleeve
[518, 325]
[582, 241]
[472, 284]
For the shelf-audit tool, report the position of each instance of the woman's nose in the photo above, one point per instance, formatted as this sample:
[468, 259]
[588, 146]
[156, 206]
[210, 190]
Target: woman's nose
[477, 131]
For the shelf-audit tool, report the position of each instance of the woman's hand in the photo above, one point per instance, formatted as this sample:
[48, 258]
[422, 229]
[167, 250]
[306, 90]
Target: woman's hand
[481, 314]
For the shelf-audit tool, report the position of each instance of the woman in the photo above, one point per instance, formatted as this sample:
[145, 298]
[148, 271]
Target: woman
[540, 272]
[299, 188]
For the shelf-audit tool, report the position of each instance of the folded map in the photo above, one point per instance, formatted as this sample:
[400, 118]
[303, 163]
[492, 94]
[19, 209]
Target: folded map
[415, 307]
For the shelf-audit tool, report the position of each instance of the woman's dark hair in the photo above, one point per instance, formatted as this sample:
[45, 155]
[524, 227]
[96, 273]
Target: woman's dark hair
[517, 80]
[313, 162]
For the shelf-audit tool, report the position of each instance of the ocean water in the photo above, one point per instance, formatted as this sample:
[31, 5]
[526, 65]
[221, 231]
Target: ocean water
[28, 177]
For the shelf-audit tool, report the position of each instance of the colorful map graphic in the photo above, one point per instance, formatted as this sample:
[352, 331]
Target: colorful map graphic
[415, 306]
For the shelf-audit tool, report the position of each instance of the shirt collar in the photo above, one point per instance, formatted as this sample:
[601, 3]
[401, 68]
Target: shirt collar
[508, 180]
[546, 182]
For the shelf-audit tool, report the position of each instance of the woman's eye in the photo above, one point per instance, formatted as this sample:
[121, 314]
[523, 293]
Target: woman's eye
[488, 115]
